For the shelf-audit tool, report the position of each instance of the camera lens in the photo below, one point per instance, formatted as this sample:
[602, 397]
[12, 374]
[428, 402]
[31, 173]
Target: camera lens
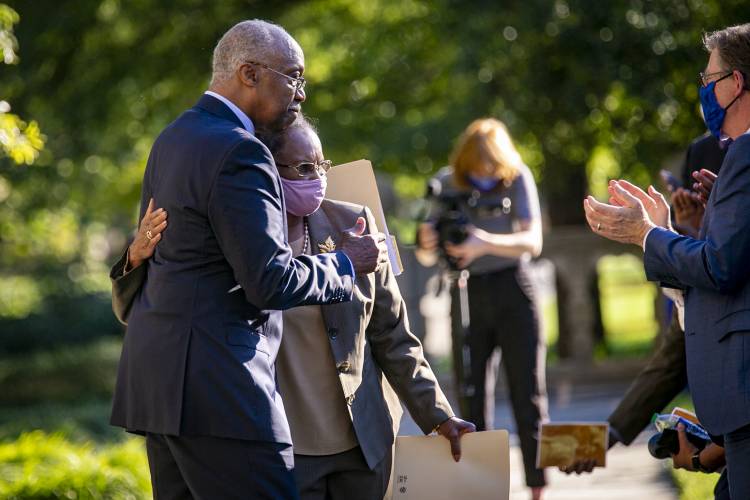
[664, 444]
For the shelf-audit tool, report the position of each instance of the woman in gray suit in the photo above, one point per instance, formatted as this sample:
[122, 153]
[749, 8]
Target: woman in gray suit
[342, 368]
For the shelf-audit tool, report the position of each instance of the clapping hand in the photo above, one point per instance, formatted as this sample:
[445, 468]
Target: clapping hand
[704, 184]
[149, 234]
[688, 211]
[632, 214]
[654, 202]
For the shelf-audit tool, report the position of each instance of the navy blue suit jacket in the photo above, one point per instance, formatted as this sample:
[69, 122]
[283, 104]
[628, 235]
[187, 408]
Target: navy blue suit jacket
[714, 270]
[196, 359]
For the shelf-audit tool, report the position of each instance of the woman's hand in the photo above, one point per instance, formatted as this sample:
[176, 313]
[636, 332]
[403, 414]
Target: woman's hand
[471, 249]
[427, 237]
[149, 234]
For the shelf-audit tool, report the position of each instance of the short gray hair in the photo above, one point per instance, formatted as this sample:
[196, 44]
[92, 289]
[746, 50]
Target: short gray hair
[733, 44]
[276, 140]
[255, 40]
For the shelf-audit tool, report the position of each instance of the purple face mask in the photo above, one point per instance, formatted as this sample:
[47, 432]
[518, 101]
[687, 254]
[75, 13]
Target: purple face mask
[304, 196]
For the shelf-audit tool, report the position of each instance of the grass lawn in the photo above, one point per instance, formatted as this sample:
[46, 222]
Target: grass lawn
[627, 307]
[627, 304]
[694, 485]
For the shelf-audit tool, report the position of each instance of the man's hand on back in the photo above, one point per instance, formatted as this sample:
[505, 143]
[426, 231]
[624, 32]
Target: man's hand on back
[366, 251]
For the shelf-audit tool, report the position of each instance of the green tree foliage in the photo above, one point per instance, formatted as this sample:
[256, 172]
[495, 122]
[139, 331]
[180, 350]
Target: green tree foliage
[19, 140]
[588, 89]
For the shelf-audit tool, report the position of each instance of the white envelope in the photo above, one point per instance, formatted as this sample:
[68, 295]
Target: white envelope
[424, 468]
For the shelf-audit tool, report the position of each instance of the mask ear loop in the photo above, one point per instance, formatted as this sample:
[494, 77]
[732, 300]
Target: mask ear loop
[744, 88]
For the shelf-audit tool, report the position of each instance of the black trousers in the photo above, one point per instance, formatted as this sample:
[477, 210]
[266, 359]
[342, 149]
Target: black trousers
[721, 490]
[503, 320]
[737, 447]
[342, 476]
[207, 468]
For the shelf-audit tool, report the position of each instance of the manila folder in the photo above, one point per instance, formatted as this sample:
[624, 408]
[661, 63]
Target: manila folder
[355, 182]
[424, 468]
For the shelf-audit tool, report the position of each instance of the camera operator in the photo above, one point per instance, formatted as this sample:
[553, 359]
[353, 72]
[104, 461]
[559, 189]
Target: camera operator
[484, 226]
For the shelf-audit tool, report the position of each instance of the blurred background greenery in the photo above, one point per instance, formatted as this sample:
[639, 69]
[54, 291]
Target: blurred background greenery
[590, 90]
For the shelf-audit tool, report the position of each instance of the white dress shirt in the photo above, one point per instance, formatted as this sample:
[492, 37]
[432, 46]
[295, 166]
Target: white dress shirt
[247, 123]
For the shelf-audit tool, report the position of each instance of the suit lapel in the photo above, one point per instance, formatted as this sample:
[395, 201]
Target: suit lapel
[335, 316]
[708, 213]
[323, 236]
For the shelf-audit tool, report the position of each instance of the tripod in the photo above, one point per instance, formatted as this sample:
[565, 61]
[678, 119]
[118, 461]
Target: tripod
[460, 323]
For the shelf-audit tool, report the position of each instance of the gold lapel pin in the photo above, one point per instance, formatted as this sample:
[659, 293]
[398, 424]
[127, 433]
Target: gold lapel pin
[327, 246]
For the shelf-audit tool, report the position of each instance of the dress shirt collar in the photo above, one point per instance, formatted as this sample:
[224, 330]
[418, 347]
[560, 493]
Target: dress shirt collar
[247, 123]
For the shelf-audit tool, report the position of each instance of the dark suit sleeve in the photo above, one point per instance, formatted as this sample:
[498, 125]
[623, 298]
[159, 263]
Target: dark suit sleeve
[399, 353]
[125, 286]
[246, 214]
[718, 262]
[662, 379]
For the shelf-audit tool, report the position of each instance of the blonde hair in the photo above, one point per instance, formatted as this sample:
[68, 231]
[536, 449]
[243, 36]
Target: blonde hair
[485, 141]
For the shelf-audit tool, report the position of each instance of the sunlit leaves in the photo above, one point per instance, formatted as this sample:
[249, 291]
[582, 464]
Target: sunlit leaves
[8, 42]
[19, 296]
[19, 140]
[587, 89]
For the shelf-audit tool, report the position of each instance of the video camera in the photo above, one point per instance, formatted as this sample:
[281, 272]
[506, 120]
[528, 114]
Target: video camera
[665, 443]
[452, 223]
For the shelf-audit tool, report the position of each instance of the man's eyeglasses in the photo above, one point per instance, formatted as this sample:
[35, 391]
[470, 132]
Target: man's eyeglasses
[298, 82]
[704, 77]
[306, 168]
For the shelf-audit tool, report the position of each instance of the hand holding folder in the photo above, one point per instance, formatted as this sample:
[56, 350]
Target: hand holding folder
[424, 468]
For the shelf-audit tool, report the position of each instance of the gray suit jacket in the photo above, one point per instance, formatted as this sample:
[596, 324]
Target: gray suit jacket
[378, 359]
[714, 270]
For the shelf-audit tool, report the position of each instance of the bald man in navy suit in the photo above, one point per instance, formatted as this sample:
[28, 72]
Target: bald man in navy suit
[196, 374]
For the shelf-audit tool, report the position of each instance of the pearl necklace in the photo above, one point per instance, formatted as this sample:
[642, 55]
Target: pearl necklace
[307, 236]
